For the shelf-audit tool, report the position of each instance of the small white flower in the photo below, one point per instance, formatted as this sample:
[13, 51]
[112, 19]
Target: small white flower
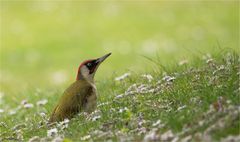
[229, 101]
[231, 138]
[186, 139]
[130, 93]
[95, 118]
[151, 136]
[143, 87]
[12, 112]
[85, 137]
[120, 96]
[23, 102]
[181, 107]
[120, 78]
[167, 136]
[103, 104]
[209, 61]
[34, 139]
[159, 82]
[183, 62]
[3, 124]
[200, 123]
[63, 124]
[57, 139]
[52, 132]
[132, 88]
[19, 134]
[168, 78]
[175, 139]
[207, 56]
[66, 121]
[27, 106]
[151, 91]
[42, 102]
[123, 109]
[19, 126]
[148, 77]
[156, 123]
[142, 130]
[1, 110]
[112, 109]
[42, 114]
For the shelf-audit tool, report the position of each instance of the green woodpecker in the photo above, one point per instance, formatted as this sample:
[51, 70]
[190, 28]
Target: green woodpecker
[81, 95]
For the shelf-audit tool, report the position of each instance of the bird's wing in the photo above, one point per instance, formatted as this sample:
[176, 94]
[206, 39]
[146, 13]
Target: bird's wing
[71, 101]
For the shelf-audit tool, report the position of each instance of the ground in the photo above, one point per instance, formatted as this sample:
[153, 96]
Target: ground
[173, 74]
[192, 101]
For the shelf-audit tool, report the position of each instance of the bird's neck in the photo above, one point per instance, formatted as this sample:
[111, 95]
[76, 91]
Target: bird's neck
[87, 82]
[81, 75]
[90, 80]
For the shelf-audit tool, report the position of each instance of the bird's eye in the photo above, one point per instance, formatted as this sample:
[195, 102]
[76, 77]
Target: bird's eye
[89, 64]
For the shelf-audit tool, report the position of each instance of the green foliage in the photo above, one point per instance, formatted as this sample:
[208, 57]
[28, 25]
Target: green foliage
[200, 101]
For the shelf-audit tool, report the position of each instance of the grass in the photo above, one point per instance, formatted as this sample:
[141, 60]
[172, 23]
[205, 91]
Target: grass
[198, 100]
[42, 44]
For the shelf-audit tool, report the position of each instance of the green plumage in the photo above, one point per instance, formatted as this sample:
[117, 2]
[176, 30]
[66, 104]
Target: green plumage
[75, 99]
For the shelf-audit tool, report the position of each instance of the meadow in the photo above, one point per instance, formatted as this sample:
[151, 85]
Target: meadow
[180, 61]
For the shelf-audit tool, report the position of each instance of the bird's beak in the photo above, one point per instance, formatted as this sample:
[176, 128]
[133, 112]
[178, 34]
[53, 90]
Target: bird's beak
[98, 61]
[101, 59]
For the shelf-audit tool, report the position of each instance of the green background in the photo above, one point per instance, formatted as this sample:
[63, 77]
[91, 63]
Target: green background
[43, 42]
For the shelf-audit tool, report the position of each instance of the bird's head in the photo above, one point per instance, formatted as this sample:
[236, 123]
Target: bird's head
[88, 68]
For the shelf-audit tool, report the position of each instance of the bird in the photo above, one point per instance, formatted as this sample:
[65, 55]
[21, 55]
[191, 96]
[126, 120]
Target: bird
[80, 95]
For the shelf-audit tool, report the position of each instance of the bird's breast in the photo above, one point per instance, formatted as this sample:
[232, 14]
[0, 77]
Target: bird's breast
[90, 102]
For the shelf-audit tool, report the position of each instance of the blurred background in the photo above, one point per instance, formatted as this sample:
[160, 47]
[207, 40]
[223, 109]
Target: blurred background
[43, 42]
